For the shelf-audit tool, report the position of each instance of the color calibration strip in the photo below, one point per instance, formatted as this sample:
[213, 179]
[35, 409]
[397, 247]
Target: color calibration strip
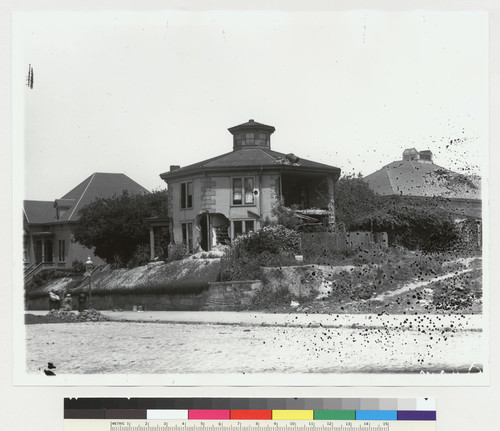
[359, 409]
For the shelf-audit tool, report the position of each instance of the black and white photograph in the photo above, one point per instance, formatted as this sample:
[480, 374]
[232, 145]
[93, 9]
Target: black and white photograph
[251, 197]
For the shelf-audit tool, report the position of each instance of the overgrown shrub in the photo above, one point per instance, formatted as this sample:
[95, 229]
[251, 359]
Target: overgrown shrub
[78, 267]
[140, 257]
[457, 293]
[117, 262]
[247, 266]
[286, 217]
[273, 245]
[43, 277]
[266, 299]
[176, 251]
[353, 200]
[273, 239]
[422, 225]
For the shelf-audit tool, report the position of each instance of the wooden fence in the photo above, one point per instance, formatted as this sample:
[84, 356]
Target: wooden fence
[317, 243]
[342, 241]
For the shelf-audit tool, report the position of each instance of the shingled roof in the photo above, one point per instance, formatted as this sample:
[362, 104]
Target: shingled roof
[413, 178]
[251, 150]
[98, 185]
[248, 158]
[39, 212]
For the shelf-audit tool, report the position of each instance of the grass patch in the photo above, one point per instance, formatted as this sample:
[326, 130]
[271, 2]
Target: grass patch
[248, 267]
[458, 293]
[267, 299]
[43, 290]
[352, 284]
[184, 277]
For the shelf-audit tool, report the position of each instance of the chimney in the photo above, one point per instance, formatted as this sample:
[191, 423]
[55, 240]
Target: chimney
[174, 168]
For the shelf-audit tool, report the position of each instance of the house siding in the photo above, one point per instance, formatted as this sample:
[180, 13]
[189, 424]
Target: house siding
[56, 233]
[213, 194]
[52, 221]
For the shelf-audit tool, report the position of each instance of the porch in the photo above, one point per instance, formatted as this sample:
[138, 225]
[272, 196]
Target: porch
[39, 254]
[311, 197]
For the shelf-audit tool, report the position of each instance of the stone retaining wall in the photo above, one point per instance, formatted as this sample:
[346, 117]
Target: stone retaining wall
[231, 295]
[189, 302]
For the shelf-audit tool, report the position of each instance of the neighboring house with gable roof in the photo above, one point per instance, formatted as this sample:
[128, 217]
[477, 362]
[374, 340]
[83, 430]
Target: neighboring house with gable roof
[213, 201]
[48, 239]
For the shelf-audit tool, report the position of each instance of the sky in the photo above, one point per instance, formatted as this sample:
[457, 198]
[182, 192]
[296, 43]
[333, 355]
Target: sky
[138, 92]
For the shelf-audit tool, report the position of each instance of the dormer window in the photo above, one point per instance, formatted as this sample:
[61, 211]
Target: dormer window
[61, 212]
[62, 206]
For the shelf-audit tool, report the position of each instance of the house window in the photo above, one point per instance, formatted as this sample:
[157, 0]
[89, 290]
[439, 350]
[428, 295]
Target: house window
[187, 235]
[62, 250]
[186, 195]
[240, 227]
[243, 191]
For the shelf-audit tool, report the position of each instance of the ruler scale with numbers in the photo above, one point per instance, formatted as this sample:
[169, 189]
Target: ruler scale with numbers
[137, 425]
[238, 414]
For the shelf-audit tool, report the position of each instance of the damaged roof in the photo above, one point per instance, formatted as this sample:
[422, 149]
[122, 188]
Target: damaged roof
[253, 157]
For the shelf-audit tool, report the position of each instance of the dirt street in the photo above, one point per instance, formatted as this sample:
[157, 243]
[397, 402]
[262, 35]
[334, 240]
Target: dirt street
[169, 348]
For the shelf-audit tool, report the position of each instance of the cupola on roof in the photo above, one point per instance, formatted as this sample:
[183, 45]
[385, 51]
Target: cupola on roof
[251, 151]
[251, 134]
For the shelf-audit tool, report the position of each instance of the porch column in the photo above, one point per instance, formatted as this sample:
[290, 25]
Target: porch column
[152, 242]
[43, 250]
[331, 202]
[209, 237]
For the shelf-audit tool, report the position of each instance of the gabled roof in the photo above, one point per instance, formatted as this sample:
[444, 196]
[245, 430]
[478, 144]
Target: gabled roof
[99, 185]
[413, 178]
[248, 158]
[38, 212]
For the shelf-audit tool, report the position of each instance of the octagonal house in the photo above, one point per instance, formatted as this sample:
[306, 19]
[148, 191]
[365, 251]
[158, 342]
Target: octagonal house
[213, 201]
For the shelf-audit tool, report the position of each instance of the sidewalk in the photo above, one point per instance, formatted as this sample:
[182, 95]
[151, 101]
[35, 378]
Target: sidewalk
[408, 322]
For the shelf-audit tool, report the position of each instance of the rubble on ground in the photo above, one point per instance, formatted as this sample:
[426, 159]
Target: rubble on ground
[90, 315]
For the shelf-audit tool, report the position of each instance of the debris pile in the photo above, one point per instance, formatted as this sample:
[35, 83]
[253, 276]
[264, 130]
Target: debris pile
[85, 316]
[91, 316]
[65, 315]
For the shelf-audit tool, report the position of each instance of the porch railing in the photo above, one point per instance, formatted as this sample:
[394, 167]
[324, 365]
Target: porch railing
[95, 269]
[32, 270]
[35, 269]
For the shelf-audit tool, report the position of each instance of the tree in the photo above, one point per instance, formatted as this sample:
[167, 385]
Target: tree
[117, 226]
[354, 200]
